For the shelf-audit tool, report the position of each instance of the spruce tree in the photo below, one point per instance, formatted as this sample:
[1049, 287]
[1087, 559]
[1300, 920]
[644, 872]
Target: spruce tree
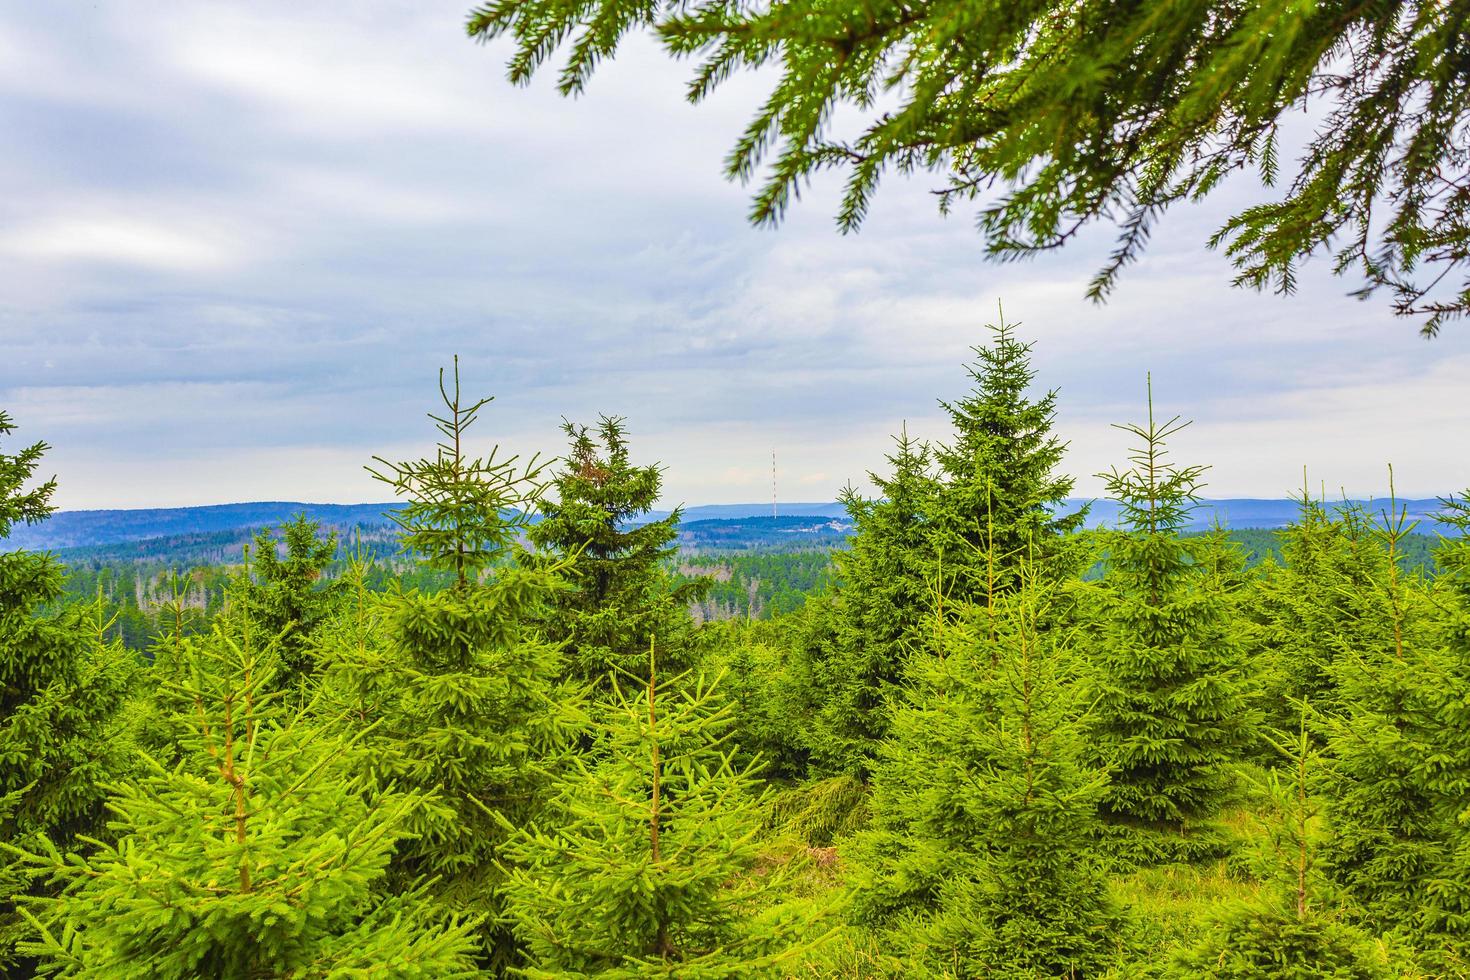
[1172, 710]
[999, 492]
[1402, 754]
[1297, 928]
[620, 593]
[458, 687]
[980, 860]
[951, 525]
[258, 854]
[885, 593]
[284, 595]
[63, 687]
[1307, 612]
[645, 865]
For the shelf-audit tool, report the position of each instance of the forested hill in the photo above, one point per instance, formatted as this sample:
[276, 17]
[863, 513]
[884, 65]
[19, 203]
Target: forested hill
[69, 529]
[734, 526]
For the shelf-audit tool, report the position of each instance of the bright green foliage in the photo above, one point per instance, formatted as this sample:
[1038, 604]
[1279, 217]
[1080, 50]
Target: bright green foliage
[458, 687]
[1287, 934]
[884, 596]
[463, 512]
[1401, 846]
[950, 526]
[1316, 608]
[981, 857]
[17, 504]
[1094, 111]
[466, 709]
[1271, 943]
[62, 691]
[283, 596]
[768, 683]
[620, 594]
[255, 856]
[1171, 715]
[1453, 559]
[998, 489]
[654, 835]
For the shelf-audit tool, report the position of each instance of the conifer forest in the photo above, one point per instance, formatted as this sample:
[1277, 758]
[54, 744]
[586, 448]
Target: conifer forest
[970, 725]
[990, 742]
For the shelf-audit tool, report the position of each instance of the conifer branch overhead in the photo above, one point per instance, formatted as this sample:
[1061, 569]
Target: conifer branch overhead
[1050, 117]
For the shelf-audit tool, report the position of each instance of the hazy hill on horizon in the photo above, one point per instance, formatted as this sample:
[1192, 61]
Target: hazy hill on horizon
[71, 529]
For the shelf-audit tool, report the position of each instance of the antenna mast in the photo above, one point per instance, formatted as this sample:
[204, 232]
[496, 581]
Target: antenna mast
[773, 483]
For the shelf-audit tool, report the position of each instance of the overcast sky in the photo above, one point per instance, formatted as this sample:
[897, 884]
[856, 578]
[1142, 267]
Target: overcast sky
[236, 242]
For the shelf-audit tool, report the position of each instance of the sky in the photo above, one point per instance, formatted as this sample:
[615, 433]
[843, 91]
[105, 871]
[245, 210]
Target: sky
[237, 242]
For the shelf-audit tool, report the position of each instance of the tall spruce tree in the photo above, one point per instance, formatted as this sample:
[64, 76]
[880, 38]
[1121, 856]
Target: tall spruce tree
[1172, 710]
[980, 860]
[950, 526]
[257, 855]
[645, 865]
[999, 493]
[885, 594]
[285, 596]
[63, 688]
[459, 687]
[620, 593]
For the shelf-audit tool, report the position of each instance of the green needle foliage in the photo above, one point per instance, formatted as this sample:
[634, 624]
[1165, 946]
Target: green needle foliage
[657, 831]
[284, 595]
[1055, 116]
[981, 857]
[1292, 931]
[1401, 846]
[1172, 714]
[620, 593]
[458, 687]
[884, 597]
[999, 489]
[63, 688]
[1316, 609]
[463, 512]
[17, 504]
[950, 525]
[988, 743]
[257, 855]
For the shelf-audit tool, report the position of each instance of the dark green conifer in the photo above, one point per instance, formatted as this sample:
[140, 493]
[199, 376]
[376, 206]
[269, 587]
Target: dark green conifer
[1000, 495]
[63, 686]
[285, 595]
[1172, 711]
[950, 526]
[885, 593]
[620, 592]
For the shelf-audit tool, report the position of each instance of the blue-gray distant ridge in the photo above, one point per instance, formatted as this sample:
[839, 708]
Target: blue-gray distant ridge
[90, 528]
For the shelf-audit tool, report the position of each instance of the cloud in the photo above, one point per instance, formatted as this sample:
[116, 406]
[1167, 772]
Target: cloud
[238, 243]
[118, 242]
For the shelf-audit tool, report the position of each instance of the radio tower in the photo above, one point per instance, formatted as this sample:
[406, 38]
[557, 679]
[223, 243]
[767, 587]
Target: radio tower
[773, 483]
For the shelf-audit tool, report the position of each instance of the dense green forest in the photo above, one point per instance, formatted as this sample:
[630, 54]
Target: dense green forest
[137, 583]
[539, 735]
